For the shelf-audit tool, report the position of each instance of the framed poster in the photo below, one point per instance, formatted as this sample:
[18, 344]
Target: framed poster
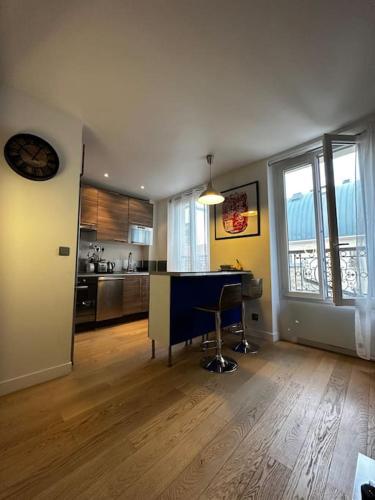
[238, 216]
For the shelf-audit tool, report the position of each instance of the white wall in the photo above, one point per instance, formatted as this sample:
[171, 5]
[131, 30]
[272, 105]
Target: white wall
[36, 284]
[317, 323]
[158, 251]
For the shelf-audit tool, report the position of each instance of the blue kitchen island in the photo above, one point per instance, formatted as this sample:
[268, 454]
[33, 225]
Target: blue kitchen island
[173, 299]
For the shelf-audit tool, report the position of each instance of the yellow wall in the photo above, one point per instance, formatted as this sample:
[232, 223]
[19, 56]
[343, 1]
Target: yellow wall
[252, 252]
[36, 284]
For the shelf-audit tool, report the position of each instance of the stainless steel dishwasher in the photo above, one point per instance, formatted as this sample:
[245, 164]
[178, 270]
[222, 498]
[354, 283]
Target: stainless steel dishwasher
[109, 298]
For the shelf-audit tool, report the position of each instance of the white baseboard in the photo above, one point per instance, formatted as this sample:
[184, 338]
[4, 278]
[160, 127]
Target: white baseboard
[23, 381]
[328, 347]
[263, 334]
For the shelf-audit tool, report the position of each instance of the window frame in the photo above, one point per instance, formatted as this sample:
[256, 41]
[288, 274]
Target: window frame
[308, 158]
[311, 157]
[333, 232]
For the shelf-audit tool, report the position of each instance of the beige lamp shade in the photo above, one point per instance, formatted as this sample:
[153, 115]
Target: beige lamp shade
[210, 196]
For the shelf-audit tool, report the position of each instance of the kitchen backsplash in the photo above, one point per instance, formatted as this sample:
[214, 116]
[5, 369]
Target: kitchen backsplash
[113, 251]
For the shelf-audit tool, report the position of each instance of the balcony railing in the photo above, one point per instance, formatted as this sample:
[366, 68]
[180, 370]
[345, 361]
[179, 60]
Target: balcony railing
[304, 271]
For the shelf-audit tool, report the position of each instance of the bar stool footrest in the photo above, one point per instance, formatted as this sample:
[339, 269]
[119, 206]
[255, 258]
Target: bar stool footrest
[209, 344]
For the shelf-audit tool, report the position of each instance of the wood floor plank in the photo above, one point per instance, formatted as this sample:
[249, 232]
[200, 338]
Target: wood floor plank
[251, 402]
[124, 426]
[332, 493]
[164, 470]
[311, 469]
[268, 481]
[231, 480]
[352, 433]
[67, 449]
[223, 388]
[287, 445]
[196, 407]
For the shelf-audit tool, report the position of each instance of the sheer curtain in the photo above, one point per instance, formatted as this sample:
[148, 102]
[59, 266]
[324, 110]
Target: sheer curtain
[365, 305]
[188, 233]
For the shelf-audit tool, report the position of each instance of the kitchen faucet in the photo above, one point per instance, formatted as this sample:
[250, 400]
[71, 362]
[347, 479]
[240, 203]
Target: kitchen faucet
[130, 262]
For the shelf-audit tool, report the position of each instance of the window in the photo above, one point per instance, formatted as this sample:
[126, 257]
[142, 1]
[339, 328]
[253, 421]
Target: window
[303, 268]
[321, 255]
[188, 233]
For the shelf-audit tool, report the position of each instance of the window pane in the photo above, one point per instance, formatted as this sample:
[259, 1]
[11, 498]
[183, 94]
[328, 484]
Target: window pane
[188, 234]
[303, 265]
[352, 248]
[201, 240]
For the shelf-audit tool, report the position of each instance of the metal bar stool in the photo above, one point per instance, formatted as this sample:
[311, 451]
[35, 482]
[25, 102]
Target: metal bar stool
[254, 290]
[230, 298]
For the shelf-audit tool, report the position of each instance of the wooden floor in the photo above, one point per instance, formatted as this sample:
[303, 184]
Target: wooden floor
[288, 424]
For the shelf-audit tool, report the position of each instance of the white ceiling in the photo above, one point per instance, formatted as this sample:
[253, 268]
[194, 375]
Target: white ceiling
[160, 83]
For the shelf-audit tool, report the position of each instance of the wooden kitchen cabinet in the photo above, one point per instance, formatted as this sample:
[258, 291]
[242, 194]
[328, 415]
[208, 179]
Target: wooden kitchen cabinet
[113, 216]
[135, 294]
[140, 212]
[89, 206]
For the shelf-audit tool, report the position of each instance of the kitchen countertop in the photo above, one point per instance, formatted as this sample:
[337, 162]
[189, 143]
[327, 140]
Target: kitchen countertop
[203, 273]
[100, 275]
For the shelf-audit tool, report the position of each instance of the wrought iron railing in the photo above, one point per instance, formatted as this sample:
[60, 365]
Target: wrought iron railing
[304, 271]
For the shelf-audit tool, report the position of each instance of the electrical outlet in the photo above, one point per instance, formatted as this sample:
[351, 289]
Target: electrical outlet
[255, 316]
[64, 251]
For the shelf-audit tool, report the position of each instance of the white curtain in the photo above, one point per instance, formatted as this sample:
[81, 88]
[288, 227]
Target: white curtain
[188, 233]
[365, 304]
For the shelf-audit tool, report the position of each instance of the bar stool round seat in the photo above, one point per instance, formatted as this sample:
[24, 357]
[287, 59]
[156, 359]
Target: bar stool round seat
[230, 298]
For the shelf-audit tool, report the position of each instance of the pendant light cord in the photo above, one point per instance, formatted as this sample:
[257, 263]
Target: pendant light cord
[210, 158]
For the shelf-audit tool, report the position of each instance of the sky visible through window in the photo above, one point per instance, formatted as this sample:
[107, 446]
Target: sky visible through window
[345, 169]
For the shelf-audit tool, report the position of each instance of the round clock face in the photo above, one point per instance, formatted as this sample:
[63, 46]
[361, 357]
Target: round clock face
[31, 157]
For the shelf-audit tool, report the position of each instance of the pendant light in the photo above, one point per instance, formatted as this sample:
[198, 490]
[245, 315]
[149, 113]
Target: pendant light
[209, 195]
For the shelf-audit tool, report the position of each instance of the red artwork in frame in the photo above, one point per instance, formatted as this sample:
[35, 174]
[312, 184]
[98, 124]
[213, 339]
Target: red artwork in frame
[238, 216]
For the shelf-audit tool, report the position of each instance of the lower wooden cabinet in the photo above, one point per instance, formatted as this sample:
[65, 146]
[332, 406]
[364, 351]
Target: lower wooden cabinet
[135, 294]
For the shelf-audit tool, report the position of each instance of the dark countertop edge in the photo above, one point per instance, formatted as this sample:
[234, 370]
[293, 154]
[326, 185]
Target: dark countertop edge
[192, 275]
[99, 275]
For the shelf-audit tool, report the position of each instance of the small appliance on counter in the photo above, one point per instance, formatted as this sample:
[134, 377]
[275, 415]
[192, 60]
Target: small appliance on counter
[90, 267]
[130, 266]
[110, 267]
[101, 266]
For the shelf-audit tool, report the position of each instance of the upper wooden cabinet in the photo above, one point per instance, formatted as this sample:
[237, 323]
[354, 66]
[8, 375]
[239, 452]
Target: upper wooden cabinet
[140, 212]
[89, 206]
[113, 216]
[111, 213]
